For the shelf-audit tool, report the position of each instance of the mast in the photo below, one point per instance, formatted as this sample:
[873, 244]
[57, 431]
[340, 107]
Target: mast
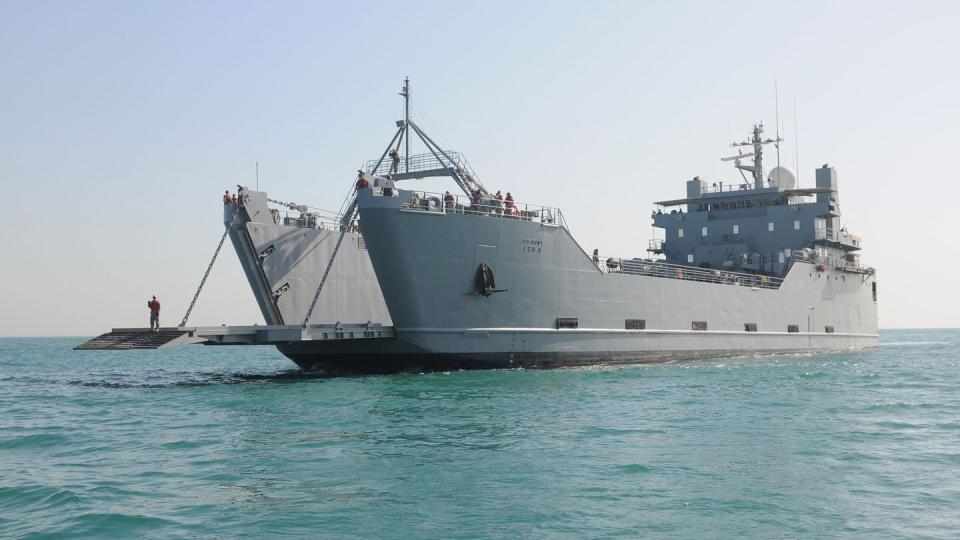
[758, 156]
[406, 123]
[756, 141]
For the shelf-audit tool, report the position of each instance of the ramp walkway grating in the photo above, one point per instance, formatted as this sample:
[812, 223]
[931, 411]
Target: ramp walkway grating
[135, 338]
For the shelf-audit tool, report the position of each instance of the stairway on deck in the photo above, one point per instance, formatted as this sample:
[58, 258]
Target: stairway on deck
[134, 338]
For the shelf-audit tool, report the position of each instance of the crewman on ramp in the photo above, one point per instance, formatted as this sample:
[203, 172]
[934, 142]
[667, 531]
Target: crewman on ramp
[154, 306]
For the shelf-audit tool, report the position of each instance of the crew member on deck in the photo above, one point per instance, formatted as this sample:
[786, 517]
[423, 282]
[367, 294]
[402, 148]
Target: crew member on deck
[226, 197]
[154, 306]
[477, 197]
[448, 201]
[362, 182]
[394, 160]
[508, 205]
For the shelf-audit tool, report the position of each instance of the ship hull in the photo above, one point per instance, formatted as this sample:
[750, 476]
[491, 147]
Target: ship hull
[531, 350]
[426, 263]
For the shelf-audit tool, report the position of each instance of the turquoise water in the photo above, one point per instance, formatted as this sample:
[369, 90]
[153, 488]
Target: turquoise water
[234, 441]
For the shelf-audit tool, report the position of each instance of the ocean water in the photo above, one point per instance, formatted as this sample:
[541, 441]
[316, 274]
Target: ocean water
[224, 442]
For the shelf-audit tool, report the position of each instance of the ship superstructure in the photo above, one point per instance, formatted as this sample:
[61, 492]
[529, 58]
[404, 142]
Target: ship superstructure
[759, 226]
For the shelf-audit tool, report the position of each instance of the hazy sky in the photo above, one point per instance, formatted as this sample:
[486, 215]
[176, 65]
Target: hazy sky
[121, 123]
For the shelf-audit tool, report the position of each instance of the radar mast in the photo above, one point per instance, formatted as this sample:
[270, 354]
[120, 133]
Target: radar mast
[756, 141]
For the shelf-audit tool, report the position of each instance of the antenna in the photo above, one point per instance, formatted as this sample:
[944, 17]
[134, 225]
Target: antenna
[776, 100]
[258, 175]
[406, 123]
[796, 142]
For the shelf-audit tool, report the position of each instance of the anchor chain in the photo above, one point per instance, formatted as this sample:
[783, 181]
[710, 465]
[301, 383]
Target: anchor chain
[210, 267]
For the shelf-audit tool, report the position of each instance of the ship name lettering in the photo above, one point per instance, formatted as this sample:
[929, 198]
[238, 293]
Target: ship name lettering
[531, 245]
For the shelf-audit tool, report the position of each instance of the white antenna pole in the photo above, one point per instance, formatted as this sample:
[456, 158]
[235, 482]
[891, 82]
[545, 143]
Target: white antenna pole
[258, 175]
[776, 99]
[796, 143]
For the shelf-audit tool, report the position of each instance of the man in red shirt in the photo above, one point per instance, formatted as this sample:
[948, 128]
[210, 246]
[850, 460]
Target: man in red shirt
[154, 306]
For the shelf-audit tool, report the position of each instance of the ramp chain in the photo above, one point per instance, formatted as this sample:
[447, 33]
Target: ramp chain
[343, 232]
[209, 267]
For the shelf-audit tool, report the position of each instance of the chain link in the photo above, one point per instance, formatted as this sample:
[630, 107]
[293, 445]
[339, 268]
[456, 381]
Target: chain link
[206, 274]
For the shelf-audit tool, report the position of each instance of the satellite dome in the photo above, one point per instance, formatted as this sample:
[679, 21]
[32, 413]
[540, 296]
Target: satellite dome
[782, 177]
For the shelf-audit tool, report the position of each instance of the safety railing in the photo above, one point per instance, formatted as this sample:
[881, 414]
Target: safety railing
[720, 187]
[448, 203]
[647, 267]
[306, 217]
[420, 162]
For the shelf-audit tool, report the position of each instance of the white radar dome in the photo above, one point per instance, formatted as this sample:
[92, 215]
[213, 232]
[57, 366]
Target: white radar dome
[782, 177]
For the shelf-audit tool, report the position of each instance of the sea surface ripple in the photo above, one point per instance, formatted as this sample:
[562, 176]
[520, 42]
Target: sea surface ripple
[213, 442]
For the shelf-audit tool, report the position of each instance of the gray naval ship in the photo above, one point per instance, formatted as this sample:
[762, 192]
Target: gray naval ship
[758, 266]
[470, 280]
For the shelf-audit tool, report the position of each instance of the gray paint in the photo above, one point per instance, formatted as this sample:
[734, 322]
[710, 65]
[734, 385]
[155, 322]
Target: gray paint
[296, 263]
[752, 211]
[425, 262]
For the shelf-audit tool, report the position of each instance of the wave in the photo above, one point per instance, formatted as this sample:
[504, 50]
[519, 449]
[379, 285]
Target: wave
[912, 343]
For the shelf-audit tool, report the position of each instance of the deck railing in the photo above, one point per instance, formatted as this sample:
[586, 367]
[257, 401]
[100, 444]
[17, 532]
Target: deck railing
[421, 162]
[448, 203]
[646, 267]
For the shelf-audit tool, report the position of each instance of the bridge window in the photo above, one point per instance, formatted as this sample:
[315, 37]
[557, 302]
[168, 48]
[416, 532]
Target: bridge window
[770, 226]
[750, 327]
[793, 328]
[828, 329]
[680, 232]
[703, 231]
[736, 229]
[699, 325]
[796, 225]
[690, 257]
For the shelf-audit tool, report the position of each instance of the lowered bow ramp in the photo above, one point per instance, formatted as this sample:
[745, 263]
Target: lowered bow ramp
[279, 334]
[121, 339]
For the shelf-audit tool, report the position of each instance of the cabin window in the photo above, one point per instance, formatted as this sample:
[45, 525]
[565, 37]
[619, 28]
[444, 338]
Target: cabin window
[793, 328]
[699, 325]
[690, 257]
[703, 231]
[750, 327]
[680, 232]
[568, 322]
[828, 329]
[874, 291]
[770, 226]
[635, 324]
[796, 225]
[780, 257]
[736, 229]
